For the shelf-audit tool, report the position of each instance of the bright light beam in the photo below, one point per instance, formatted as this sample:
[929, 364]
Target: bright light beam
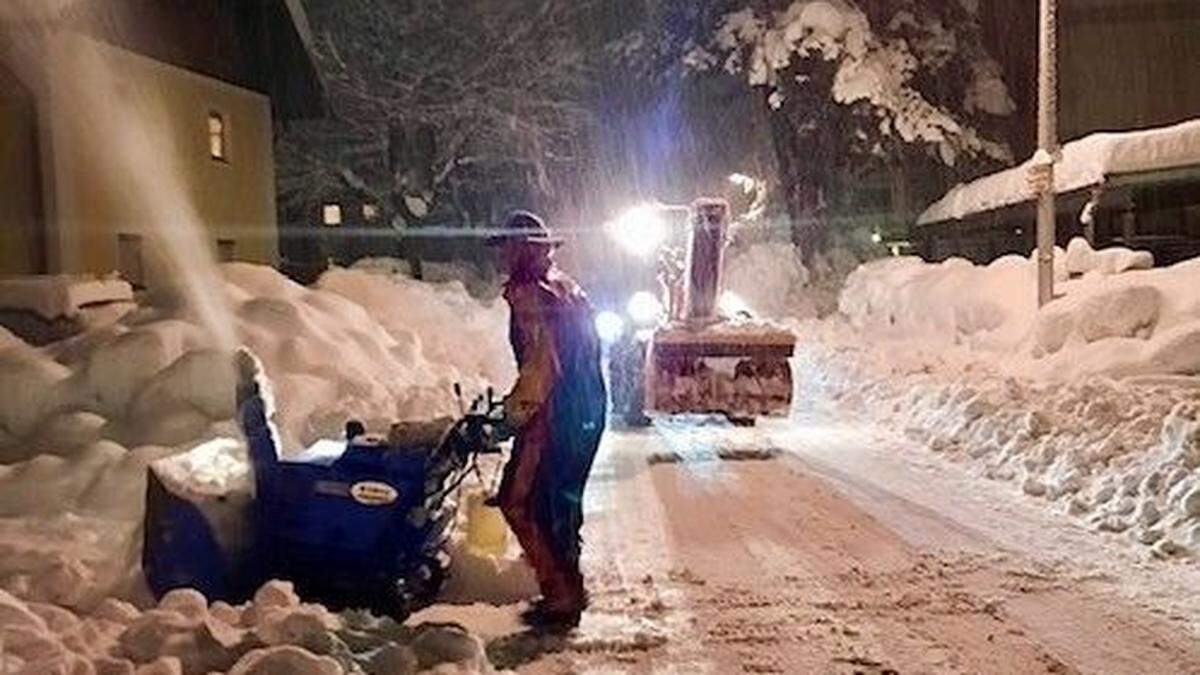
[644, 308]
[610, 326]
[640, 230]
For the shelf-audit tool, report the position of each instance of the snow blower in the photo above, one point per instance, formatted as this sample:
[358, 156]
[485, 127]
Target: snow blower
[360, 522]
[705, 353]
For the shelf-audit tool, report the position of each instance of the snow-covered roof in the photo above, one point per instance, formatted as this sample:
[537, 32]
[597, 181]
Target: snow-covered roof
[1085, 162]
[53, 296]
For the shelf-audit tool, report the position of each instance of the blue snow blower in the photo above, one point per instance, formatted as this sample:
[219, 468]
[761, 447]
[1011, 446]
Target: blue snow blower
[356, 523]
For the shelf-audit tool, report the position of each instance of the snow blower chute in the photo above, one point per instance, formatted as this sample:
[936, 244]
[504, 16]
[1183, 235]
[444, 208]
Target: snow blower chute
[360, 522]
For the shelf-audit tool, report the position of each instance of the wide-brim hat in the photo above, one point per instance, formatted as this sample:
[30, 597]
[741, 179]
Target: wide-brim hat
[523, 227]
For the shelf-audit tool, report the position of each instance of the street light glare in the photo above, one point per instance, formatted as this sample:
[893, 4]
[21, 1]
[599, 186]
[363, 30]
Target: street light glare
[640, 230]
[644, 308]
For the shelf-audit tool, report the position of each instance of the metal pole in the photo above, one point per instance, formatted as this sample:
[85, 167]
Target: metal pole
[1047, 144]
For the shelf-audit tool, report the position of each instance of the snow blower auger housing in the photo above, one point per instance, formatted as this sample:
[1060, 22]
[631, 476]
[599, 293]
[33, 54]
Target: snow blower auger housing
[701, 361]
[361, 522]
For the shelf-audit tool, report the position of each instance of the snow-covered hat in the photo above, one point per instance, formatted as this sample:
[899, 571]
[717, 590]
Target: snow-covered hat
[523, 226]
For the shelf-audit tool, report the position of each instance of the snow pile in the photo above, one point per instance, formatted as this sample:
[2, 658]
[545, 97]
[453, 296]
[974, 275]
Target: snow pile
[1121, 455]
[469, 276]
[769, 276]
[94, 410]
[1114, 318]
[54, 296]
[186, 635]
[1085, 162]
[1091, 402]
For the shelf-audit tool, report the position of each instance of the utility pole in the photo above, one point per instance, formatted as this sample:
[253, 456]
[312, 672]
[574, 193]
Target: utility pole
[1047, 148]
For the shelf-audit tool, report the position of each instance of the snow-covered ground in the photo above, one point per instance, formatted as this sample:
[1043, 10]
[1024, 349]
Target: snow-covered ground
[1092, 403]
[84, 417]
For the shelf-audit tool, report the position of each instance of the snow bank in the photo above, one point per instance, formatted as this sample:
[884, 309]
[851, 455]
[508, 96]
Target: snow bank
[1114, 317]
[54, 296]
[1122, 456]
[1092, 402]
[475, 280]
[93, 411]
[1085, 162]
[186, 635]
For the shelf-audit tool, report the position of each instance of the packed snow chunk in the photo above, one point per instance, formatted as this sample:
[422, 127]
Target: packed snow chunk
[215, 468]
[285, 659]
[116, 611]
[1082, 259]
[202, 379]
[13, 612]
[1125, 311]
[65, 432]
[1176, 351]
[276, 594]
[280, 618]
[31, 383]
[449, 643]
[186, 601]
[119, 369]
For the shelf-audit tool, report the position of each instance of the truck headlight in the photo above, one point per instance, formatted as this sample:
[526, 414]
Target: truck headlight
[610, 326]
[644, 308]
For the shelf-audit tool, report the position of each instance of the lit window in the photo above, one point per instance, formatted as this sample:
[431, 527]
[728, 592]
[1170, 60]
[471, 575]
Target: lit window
[217, 147]
[331, 214]
[370, 211]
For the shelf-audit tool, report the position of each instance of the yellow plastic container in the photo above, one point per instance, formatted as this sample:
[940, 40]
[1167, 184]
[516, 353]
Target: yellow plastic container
[487, 533]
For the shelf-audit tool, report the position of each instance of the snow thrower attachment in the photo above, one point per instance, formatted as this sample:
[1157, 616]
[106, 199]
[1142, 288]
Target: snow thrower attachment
[704, 361]
[360, 522]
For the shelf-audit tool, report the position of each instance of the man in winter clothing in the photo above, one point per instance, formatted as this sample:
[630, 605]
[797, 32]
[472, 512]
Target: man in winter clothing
[557, 411]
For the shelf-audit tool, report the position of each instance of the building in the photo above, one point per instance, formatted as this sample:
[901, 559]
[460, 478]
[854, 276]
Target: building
[1138, 189]
[129, 127]
[1123, 66]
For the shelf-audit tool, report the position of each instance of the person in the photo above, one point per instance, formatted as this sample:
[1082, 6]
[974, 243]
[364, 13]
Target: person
[556, 410]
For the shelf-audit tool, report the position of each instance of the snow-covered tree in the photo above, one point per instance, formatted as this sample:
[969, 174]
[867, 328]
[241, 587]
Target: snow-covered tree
[884, 88]
[441, 108]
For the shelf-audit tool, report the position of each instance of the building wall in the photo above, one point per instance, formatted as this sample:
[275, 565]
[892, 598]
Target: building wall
[20, 243]
[1122, 64]
[131, 157]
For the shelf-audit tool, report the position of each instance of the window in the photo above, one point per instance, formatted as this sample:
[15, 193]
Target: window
[218, 147]
[129, 259]
[331, 215]
[370, 212]
[226, 250]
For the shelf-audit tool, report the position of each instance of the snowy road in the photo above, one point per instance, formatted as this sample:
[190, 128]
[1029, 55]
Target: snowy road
[841, 555]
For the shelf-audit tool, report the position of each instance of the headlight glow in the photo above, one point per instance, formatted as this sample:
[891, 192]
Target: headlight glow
[640, 230]
[610, 326]
[644, 308]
